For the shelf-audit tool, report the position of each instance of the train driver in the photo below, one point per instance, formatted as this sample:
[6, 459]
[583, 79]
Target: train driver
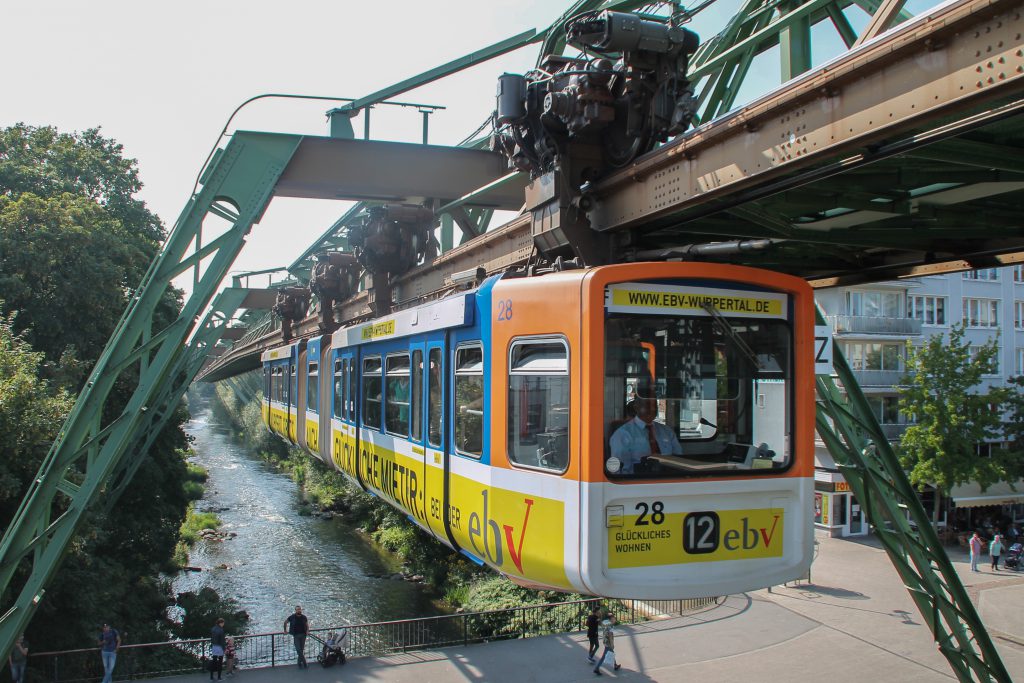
[640, 437]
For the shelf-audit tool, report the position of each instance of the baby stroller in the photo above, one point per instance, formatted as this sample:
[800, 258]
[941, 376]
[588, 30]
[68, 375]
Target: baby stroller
[332, 653]
[1013, 556]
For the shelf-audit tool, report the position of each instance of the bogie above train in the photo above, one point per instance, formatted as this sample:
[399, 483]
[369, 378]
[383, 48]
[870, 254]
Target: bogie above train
[507, 422]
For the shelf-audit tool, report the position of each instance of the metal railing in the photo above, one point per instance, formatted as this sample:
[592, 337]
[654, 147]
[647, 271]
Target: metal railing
[363, 640]
[867, 324]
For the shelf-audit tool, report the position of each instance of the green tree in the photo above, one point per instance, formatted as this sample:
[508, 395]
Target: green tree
[953, 415]
[74, 244]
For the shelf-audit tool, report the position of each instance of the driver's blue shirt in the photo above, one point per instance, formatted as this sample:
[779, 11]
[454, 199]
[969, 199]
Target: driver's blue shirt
[629, 443]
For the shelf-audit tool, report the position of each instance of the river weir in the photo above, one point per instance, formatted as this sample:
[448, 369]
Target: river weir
[274, 557]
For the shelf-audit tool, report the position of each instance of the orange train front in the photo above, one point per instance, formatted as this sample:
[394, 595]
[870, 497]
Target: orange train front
[503, 421]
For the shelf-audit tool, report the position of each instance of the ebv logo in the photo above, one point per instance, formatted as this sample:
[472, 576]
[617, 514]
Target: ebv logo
[707, 532]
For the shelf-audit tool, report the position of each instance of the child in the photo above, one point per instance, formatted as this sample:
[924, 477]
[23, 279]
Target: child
[230, 660]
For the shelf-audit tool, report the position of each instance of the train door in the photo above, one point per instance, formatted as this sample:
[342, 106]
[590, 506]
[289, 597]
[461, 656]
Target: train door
[326, 407]
[435, 461]
[299, 379]
[345, 441]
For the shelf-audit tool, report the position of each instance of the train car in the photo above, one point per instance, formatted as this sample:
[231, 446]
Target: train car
[279, 381]
[507, 422]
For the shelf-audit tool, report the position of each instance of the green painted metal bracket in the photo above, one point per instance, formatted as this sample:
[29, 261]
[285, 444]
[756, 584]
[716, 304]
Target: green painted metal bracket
[87, 455]
[853, 436]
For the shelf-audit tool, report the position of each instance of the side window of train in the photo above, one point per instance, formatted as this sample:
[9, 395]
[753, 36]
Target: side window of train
[339, 387]
[416, 407]
[371, 392]
[538, 403]
[313, 388]
[396, 397]
[350, 391]
[469, 399]
[434, 415]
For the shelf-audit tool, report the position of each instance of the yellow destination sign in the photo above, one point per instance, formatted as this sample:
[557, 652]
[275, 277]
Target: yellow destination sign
[712, 536]
[384, 329]
[696, 301]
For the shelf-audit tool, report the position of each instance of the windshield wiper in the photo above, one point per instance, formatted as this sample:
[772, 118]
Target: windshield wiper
[725, 328]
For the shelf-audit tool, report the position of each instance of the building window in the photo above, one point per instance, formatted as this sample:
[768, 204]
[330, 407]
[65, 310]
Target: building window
[538, 404]
[1019, 364]
[930, 310]
[990, 274]
[396, 398]
[874, 356]
[981, 312]
[886, 409]
[1018, 314]
[993, 369]
[469, 399]
[371, 392]
[1018, 273]
[872, 304]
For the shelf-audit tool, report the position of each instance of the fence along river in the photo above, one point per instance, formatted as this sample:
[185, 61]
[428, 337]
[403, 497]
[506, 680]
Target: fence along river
[279, 557]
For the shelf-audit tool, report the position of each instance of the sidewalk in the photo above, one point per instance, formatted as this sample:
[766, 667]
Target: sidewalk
[855, 623]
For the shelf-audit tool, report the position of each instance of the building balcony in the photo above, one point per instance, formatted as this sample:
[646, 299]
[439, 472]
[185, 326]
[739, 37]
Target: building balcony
[878, 378]
[894, 432]
[860, 324]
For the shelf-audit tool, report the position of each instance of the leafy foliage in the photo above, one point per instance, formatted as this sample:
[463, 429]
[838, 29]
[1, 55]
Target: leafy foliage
[74, 243]
[953, 414]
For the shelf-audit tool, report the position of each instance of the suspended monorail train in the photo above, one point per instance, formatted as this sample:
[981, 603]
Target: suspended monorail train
[487, 417]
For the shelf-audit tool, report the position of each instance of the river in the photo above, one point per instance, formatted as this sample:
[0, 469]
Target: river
[280, 558]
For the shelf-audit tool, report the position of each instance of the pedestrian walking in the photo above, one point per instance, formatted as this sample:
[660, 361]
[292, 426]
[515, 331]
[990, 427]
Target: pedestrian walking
[995, 549]
[608, 656]
[297, 624]
[975, 546]
[230, 657]
[593, 621]
[218, 641]
[110, 641]
[18, 659]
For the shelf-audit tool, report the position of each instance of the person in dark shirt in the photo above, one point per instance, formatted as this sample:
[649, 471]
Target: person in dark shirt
[593, 621]
[18, 659]
[218, 640]
[298, 625]
[110, 640]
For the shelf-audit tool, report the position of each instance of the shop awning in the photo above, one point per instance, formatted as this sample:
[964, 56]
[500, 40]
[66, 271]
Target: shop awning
[971, 495]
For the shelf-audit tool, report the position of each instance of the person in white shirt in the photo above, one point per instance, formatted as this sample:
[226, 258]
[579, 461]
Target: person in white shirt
[640, 437]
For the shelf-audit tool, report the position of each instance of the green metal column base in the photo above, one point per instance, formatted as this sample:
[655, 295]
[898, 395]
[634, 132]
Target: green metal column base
[853, 436]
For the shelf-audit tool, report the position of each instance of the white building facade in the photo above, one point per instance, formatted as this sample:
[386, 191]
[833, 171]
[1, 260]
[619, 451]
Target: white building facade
[871, 326]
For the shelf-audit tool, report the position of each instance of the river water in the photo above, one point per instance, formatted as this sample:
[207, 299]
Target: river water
[279, 558]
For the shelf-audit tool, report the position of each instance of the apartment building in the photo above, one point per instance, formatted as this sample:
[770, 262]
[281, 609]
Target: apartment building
[872, 324]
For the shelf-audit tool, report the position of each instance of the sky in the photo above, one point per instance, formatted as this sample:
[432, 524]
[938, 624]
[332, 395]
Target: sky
[163, 78]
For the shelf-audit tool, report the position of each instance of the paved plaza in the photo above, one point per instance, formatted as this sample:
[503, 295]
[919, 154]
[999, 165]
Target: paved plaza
[853, 622]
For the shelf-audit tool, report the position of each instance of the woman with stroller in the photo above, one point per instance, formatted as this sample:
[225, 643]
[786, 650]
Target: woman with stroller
[995, 549]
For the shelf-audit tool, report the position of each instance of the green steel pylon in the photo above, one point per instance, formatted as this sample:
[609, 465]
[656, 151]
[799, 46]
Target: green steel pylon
[853, 436]
[89, 458]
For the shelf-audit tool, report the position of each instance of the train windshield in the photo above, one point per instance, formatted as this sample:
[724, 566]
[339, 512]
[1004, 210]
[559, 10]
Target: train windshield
[697, 389]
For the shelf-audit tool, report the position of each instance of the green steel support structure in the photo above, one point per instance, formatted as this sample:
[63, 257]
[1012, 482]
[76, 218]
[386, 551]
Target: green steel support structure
[853, 436]
[89, 458]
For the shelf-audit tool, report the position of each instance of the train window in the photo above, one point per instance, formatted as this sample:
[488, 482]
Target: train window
[416, 427]
[469, 399]
[291, 378]
[715, 388]
[339, 387]
[350, 390]
[538, 403]
[313, 387]
[371, 392]
[267, 372]
[434, 416]
[396, 399]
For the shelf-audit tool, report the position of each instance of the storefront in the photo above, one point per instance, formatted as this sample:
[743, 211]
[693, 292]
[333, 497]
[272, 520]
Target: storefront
[836, 510]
